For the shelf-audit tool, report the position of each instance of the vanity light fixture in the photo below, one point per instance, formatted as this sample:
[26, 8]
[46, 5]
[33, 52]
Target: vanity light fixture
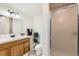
[12, 13]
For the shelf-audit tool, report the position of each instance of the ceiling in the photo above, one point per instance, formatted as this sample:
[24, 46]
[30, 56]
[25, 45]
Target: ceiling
[23, 8]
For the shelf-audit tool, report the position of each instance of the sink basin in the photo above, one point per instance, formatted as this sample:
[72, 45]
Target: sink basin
[12, 36]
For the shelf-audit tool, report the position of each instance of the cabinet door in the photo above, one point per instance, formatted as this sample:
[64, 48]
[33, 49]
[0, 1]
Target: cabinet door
[26, 47]
[17, 50]
[4, 52]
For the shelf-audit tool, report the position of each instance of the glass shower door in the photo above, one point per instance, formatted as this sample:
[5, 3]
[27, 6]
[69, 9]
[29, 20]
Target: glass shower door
[64, 31]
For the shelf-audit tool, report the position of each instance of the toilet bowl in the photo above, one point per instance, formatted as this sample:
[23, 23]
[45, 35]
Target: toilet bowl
[38, 49]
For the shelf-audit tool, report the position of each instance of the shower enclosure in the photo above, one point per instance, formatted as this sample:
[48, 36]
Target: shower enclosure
[64, 31]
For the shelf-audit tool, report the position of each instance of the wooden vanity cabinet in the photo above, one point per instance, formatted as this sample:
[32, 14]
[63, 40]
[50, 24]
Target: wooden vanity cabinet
[15, 48]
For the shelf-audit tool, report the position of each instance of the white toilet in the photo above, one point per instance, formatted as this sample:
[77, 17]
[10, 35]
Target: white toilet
[38, 49]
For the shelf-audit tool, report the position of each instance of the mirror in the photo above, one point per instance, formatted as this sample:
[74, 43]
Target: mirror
[18, 26]
[4, 25]
[8, 26]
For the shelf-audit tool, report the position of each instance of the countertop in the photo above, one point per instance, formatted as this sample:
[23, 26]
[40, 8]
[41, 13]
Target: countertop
[9, 39]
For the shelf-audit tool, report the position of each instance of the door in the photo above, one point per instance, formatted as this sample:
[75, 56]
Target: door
[5, 52]
[17, 50]
[26, 47]
[64, 31]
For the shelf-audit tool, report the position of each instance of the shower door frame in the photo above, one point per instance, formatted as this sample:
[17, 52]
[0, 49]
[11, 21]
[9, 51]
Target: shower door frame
[51, 12]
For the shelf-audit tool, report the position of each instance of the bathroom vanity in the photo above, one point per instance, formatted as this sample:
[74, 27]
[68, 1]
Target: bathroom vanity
[17, 46]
